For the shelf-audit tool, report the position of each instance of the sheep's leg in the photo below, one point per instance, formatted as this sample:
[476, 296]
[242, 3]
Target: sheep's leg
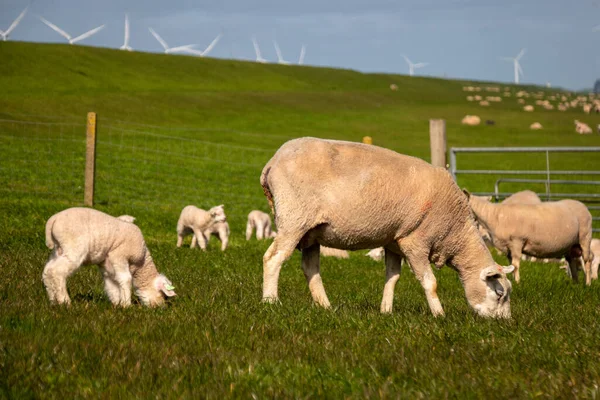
[201, 239]
[260, 230]
[574, 268]
[311, 267]
[224, 237]
[124, 281]
[419, 263]
[515, 259]
[111, 288]
[55, 277]
[249, 227]
[280, 250]
[179, 239]
[595, 264]
[393, 264]
[194, 242]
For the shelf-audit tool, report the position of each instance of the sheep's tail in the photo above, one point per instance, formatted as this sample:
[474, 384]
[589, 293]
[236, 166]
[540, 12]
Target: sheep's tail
[49, 237]
[265, 185]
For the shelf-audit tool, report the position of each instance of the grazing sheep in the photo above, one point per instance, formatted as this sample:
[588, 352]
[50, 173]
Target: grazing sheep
[471, 120]
[376, 253]
[552, 229]
[587, 108]
[562, 107]
[262, 222]
[582, 128]
[595, 248]
[126, 218]
[393, 87]
[195, 221]
[521, 101]
[355, 196]
[83, 236]
[528, 108]
[477, 98]
[535, 126]
[331, 252]
[221, 231]
[484, 103]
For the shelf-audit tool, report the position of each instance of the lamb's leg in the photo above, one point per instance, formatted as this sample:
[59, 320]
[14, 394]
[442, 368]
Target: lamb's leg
[180, 234]
[393, 263]
[280, 250]
[249, 227]
[194, 242]
[574, 268]
[224, 237]
[595, 263]
[179, 239]
[419, 263]
[311, 267]
[260, 230]
[55, 277]
[124, 281]
[199, 236]
[111, 288]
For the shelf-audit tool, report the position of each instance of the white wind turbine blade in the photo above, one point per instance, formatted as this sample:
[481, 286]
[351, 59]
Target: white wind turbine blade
[160, 40]
[279, 58]
[407, 60]
[518, 57]
[419, 65]
[56, 28]
[212, 44]
[181, 48]
[87, 34]
[126, 42]
[15, 22]
[256, 49]
[302, 53]
[193, 51]
[520, 69]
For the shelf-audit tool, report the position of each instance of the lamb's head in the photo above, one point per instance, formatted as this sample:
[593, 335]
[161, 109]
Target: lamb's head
[156, 293]
[496, 299]
[217, 213]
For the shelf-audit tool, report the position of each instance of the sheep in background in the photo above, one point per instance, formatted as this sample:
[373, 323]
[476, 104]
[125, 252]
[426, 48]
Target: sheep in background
[126, 218]
[471, 120]
[582, 128]
[484, 103]
[528, 108]
[260, 221]
[376, 253]
[196, 221]
[595, 248]
[331, 252]
[81, 236]
[221, 231]
[535, 126]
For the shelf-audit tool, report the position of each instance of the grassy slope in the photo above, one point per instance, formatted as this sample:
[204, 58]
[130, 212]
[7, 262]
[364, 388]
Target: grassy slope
[216, 338]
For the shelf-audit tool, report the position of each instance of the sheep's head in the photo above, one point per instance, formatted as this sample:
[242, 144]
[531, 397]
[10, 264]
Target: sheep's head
[217, 213]
[155, 295]
[496, 301]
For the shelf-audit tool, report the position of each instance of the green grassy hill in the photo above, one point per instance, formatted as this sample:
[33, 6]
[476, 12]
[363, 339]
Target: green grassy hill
[177, 130]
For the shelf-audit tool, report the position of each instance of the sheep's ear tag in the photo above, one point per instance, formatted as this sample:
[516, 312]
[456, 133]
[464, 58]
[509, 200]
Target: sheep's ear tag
[169, 287]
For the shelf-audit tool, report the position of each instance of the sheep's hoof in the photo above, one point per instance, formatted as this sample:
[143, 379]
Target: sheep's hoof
[271, 300]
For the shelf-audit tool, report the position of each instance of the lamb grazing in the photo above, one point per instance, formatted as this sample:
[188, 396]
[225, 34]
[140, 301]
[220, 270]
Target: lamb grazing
[331, 252]
[262, 222]
[535, 126]
[196, 221]
[126, 218]
[547, 230]
[221, 231]
[79, 236]
[595, 248]
[528, 108]
[582, 128]
[471, 120]
[355, 196]
[376, 253]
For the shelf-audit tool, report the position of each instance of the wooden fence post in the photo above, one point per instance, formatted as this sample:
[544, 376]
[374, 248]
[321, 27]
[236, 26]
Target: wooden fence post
[90, 160]
[437, 138]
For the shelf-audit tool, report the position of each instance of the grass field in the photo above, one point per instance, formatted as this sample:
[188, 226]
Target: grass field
[179, 130]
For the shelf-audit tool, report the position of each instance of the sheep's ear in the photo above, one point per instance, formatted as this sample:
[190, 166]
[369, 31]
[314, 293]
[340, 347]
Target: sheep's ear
[509, 269]
[492, 272]
[164, 285]
[467, 193]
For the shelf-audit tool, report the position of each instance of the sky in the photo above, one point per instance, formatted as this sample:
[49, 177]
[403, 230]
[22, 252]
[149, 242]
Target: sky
[460, 39]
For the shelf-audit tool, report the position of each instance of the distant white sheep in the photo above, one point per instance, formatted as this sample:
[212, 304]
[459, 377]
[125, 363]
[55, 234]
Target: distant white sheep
[471, 120]
[195, 221]
[261, 221]
[528, 108]
[535, 126]
[79, 236]
[582, 128]
[221, 231]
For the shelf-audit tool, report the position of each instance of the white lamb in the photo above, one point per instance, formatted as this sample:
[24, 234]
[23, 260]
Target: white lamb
[260, 221]
[196, 221]
[582, 128]
[595, 248]
[221, 231]
[82, 236]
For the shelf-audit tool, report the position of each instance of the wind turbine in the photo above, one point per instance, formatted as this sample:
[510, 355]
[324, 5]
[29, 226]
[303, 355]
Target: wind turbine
[126, 41]
[207, 50]
[13, 25]
[280, 59]
[72, 40]
[257, 51]
[412, 67]
[302, 54]
[166, 46]
[517, 66]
